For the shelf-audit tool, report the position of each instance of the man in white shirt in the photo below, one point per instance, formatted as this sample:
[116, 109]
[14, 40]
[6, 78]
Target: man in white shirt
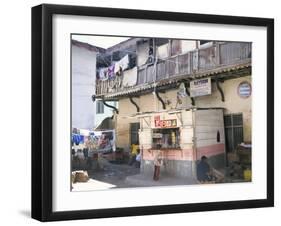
[157, 163]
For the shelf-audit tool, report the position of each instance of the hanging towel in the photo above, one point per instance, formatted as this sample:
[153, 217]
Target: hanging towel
[130, 77]
[110, 72]
[103, 73]
[122, 64]
[182, 91]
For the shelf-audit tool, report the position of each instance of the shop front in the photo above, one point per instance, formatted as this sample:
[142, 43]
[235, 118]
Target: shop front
[183, 137]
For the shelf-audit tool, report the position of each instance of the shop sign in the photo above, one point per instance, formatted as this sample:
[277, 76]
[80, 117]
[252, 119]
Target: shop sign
[200, 87]
[164, 123]
[244, 89]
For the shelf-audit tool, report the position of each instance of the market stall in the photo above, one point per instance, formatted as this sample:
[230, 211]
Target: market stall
[183, 136]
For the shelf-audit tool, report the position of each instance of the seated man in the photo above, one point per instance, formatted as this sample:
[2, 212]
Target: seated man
[203, 170]
[206, 173]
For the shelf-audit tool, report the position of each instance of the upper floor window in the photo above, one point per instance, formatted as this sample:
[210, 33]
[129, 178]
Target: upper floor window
[100, 107]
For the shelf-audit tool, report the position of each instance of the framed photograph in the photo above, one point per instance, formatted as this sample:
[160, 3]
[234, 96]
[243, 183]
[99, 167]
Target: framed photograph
[146, 112]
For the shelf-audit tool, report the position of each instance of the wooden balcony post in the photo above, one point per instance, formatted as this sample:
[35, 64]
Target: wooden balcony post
[217, 54]
[177, 65]
[145, 77]
[190, 63]
[155, 69]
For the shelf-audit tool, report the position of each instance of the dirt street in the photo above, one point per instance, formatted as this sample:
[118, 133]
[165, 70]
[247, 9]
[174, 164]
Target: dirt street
[113, 173]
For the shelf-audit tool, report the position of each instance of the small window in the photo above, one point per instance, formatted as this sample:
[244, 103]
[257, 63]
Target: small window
[100, 107]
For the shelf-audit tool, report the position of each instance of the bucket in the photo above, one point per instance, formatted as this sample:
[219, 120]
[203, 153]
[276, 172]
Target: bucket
[247, 175]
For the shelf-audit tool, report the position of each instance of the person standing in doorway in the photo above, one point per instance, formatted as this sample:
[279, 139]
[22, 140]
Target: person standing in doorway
[134, 152]
[138, 159]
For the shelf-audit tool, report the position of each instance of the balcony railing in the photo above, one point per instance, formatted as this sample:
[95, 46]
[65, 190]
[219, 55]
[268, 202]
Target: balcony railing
[198, 61]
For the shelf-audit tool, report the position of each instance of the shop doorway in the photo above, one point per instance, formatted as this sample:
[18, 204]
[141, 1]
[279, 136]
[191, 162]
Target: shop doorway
[233, 124]
[134, 133]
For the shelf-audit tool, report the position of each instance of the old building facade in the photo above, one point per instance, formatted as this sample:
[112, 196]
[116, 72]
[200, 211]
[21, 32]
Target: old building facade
[157, 104]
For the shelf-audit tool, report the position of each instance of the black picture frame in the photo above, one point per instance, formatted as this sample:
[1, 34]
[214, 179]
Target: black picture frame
[42, 108]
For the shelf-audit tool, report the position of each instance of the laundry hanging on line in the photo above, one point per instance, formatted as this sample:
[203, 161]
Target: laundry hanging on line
[130, 77]
[103, 73]
[110, 71]
[77, 139]
[122, 64]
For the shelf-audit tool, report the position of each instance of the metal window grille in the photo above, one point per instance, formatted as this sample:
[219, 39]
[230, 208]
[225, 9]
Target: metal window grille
[233, 131]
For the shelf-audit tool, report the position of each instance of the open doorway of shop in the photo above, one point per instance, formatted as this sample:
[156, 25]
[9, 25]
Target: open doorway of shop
[134, 133]
[233, 124]
[134, 144]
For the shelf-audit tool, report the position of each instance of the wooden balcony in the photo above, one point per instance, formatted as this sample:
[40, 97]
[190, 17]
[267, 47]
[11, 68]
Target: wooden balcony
[210, 61]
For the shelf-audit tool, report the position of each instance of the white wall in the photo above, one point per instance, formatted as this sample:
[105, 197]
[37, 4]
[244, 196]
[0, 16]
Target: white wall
[108, 112]
[15, 92]
[83, 84]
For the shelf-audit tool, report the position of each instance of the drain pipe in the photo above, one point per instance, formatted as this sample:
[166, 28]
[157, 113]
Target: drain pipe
[160, 99]
[134, 103]
[188, 94]
[220, 89]
[110, 106]
[106, 104]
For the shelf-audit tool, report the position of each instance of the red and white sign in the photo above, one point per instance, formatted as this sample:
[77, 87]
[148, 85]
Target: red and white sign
[164, 123]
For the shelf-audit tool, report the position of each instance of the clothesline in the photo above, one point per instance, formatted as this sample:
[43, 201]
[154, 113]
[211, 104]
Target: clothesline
[114, 70]
[127, 51]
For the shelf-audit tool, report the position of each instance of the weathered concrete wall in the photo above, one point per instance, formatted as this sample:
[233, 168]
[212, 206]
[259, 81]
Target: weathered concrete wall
[181, 168]
[233, 104]
[83, 85]
[173, 168]
[208, 124]
[123, 120]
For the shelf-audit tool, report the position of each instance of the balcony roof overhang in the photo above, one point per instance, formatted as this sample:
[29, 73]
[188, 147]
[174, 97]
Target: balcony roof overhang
[223, 73]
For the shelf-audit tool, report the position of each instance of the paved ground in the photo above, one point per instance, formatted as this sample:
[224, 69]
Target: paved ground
[141, 180]
[92, 185]
[114, 175]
